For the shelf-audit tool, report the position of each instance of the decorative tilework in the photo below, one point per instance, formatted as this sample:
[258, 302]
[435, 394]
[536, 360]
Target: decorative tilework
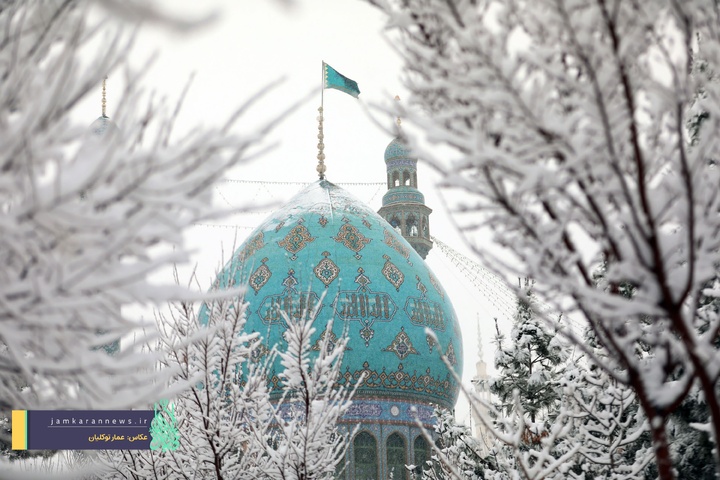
[273, 308]
[259, 352]
[422, 414]
[326, 270]
[296, 240]
[367, 333]
[332, 342]
[421, 287]
[364, 410]
[399, 381]
[352, 239]
[290, 282]
[425, 313]
[323, 221]
[252, 246]
[393, 242]
[401, 345]
[365, 306]
[450, 354]
[367, 224]
[279, 226]
[260, 276]
[430, 342]
[392, 273]
[397, 411]
[436, 284]
[362, 280]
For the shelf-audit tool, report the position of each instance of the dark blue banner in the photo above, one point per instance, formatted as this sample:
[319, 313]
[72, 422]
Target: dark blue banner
[89, 429]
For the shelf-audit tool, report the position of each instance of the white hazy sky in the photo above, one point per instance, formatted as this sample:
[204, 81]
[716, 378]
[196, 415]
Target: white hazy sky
[255, 42]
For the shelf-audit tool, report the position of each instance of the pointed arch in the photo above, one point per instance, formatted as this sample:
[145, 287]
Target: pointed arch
[396, 223]
[421, 454]
[366, 457]
[411, 224]
[396, 456]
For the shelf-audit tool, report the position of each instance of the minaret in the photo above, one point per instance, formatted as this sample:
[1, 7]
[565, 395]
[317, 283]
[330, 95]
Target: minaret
[481, 382]
[404, 205]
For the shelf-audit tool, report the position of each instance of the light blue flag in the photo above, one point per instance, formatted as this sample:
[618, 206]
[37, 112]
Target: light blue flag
[333, 79]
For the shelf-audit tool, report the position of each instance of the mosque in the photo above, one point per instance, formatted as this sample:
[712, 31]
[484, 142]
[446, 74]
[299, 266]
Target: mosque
[328, 251]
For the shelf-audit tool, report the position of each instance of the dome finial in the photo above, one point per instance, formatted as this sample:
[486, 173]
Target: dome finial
[321, 146]
[104, 99]
[479, 338]
[398, 121]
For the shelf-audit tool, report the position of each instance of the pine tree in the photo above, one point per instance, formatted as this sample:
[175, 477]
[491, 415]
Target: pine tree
[611, 427]
[531, 365]
[456, 453]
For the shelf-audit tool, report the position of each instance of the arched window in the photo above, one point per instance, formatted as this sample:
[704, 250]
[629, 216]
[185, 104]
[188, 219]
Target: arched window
[424, 227]
[406, 178]
[412, 226]
[422, 454]
[395, 223]
[366, 461]
[396, 179]
[340, 470]
[396, 457]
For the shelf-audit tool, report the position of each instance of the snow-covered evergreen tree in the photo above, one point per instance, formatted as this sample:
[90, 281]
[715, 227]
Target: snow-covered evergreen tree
[456, 453]
[572, 123]
[531, 365]
[611, 427]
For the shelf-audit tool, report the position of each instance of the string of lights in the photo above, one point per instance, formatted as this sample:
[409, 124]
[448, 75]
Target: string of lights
[264, 182]
[493, 288]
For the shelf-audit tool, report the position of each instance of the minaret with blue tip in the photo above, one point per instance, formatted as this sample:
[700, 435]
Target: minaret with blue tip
[404, 205]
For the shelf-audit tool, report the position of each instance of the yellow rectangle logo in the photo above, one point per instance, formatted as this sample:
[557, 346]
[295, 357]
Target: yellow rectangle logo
[19, 429]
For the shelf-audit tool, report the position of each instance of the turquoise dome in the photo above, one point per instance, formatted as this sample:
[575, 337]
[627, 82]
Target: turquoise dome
[396, 149]
[326, 249]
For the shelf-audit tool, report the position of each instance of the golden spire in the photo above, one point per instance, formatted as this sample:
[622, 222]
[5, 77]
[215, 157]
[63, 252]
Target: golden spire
[104, 99]
[321, 146]
[398, 121]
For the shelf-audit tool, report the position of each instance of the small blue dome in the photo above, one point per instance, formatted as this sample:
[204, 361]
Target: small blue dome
[396, 149]
[328, 250]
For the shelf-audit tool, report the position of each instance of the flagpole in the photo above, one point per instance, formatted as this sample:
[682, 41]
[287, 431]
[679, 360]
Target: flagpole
[321, 136]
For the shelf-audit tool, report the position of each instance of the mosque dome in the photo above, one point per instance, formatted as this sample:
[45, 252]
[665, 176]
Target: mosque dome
[327, 249]
[396, 149]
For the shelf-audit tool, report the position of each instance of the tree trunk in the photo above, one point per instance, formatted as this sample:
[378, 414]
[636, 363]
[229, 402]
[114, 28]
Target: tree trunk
[661, 447]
